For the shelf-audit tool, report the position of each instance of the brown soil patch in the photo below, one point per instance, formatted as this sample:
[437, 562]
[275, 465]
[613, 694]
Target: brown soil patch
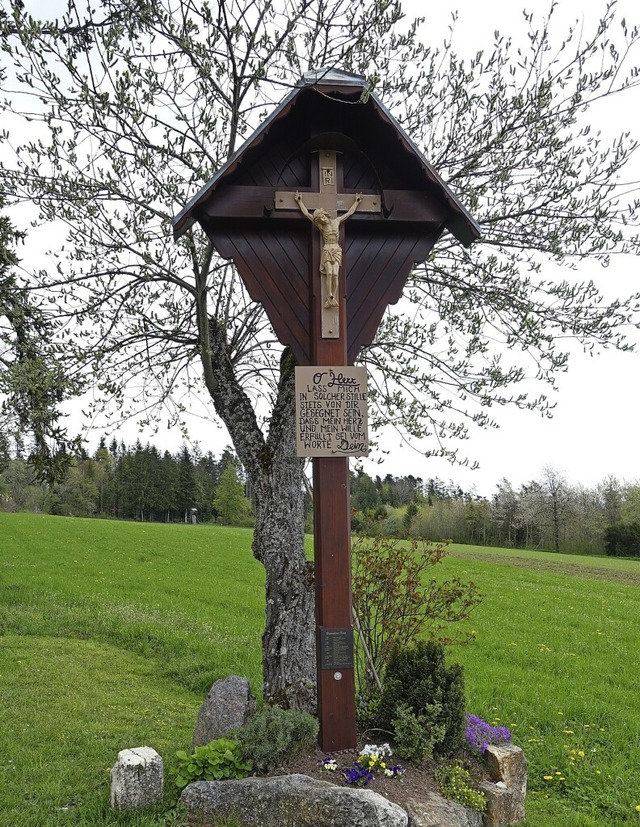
[415, 782]
[628, 578]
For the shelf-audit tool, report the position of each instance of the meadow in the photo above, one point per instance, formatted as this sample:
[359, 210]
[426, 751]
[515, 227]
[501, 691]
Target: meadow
[112, 633]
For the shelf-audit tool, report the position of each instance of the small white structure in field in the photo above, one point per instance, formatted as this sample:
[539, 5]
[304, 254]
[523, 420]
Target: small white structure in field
[137, 779]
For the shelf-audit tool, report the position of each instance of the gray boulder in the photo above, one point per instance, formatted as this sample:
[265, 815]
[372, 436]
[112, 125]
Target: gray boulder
[229, 705]
[290, 801]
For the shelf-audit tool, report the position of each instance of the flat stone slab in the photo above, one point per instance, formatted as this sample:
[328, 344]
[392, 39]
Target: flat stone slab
[435, 811]
[290, 801]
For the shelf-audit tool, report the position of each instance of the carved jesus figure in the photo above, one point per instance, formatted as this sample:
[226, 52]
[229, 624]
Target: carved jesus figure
[331, 255]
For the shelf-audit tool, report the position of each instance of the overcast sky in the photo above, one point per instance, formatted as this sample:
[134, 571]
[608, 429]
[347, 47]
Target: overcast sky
[595, 426]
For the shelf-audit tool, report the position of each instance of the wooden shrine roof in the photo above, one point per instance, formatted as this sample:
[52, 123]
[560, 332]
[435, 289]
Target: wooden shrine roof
[269, 242]
[346, 86]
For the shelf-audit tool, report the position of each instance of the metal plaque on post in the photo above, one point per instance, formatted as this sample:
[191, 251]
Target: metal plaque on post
[336, 648]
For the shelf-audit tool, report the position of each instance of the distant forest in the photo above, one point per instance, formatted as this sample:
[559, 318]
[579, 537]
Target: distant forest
[141, 482]
[138, 482]
[546, 514]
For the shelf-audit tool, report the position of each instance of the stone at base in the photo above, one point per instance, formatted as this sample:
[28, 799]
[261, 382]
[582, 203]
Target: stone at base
[300, 801]
[137, 779]
[228, 705]
[435, 811]
[292, 800]
[505, 797]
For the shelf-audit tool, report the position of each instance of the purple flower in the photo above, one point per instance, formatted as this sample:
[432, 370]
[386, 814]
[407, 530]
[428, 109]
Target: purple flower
[358, 775]
[480, 734]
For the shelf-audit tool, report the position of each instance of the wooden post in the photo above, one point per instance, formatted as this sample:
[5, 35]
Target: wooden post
[336, 685]
[332, 533]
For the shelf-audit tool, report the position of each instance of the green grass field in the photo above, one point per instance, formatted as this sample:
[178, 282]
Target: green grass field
[112, 633]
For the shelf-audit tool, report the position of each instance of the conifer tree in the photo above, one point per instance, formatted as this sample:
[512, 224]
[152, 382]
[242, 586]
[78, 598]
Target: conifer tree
[229, 501]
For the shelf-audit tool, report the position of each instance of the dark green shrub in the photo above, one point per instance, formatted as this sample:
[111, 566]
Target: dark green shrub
[275, 734]
[419, 678]
[417, 735]
[622, 540]
[217, 760]
[367, 710]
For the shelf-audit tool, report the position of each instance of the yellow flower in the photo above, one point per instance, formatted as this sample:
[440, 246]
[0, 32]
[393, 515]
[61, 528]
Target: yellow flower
[638, 807]
[548, 777]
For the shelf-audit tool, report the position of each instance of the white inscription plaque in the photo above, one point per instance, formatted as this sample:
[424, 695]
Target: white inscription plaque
[331, 412]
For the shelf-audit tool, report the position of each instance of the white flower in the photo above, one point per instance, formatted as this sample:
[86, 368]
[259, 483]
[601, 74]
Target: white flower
[380, 751]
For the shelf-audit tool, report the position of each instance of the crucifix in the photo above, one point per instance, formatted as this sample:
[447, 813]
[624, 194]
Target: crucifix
[325, 283]
[331, 255]
[326, 203]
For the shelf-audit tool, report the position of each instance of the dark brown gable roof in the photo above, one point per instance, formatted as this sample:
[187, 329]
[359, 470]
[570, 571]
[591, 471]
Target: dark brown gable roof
[271, 243]
[369, 128]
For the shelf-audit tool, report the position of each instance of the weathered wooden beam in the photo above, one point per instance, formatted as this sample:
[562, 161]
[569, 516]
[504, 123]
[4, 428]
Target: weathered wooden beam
[237, 202]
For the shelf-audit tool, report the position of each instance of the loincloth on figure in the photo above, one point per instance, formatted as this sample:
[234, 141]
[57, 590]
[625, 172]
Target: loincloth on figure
[331, 254]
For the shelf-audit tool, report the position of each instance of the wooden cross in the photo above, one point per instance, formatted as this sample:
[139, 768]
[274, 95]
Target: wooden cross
[329, 200]
[331, 498]
[331, 495]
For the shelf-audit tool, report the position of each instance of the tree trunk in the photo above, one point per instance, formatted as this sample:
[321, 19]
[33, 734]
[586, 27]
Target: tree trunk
[276, 476]
[556, 524]
[288, 642]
